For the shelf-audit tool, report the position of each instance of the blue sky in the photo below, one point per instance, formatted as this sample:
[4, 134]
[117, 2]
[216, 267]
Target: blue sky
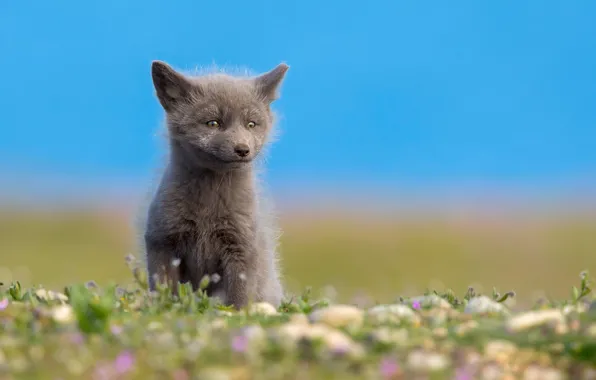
[379, 93]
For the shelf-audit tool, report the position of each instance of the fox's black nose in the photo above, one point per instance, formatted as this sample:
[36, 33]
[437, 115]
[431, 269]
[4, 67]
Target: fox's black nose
[242, 150]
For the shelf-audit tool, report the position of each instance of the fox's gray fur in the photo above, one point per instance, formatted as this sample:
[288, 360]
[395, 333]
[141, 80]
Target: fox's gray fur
[207, 216]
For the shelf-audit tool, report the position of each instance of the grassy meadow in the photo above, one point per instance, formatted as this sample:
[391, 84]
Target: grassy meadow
[81, 311]
[379, 257]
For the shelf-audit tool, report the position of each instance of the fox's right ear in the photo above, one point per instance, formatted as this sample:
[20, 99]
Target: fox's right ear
[171, 87]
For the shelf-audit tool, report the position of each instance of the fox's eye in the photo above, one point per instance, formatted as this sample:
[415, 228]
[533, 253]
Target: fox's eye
[251, 124]
[213, 124]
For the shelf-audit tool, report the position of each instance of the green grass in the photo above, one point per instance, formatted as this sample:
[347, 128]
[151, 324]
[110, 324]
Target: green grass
[126, 332]
[535, 255]
[114, 324]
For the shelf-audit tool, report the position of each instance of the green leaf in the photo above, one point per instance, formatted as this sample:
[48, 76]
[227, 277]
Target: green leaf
[204, 282]
[575, 293]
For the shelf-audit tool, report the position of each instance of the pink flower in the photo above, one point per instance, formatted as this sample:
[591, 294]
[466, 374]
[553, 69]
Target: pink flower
[180, 374]
[124, 362]
[4, 304]
[103, 371]
[416, 305]
[388, 368]
[77, 338]
[462, 374]
[116, 330]
[239, 343]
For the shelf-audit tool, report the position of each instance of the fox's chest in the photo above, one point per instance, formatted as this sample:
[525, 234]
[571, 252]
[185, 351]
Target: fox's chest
[209, 220]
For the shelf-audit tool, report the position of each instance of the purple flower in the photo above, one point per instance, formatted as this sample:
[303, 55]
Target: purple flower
[129, 259]
[239, 343]
[91, 284]
[180, 374]
[77, 338]
[388, 368]
[103, 371]
[4, 304]
[124, 362]
[340, 350]
[116, 330]
[416, 305]
[462, 374]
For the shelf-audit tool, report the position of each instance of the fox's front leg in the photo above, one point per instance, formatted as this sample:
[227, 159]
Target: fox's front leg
[235, 284]
[239, 277]
[162, 267]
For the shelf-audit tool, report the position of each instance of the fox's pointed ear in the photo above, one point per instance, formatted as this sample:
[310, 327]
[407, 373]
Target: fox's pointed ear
[269, 82]
[171, 87]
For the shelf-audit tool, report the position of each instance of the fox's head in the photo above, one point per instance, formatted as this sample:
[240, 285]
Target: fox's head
[217, 121]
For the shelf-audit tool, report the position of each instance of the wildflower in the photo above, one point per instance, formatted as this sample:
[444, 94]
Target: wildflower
[262, 308]
[462, 374]
[392, 313]
[340, 350]
[535, 318]
[124, 362]
[116, 330]
[63, 314]
[50, 295]
[4, 304]
[91, 284]
[239, 343]
[129, 258]
[180, 374]
[77, 338]
[388, 368]
[215, 278]
[416, 305]
[484, 305]
[339, 316]
[103, 371]
[176, 263]
[431, 300]
[120, 292]
[427, 361]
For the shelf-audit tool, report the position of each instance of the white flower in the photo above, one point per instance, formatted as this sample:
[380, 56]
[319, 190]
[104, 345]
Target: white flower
[50, 295]
[534, 372]
[579, 308]
[392, 313]
[215, 278]
[432, 300]
[427, 361]
[154, 325]
[262, 308]
[334, 340]
[497, 349]
[391, 336]
[535, 318]
[483, 304]
[299, 318]
[339, 316]
[63, 314]
[294, 331]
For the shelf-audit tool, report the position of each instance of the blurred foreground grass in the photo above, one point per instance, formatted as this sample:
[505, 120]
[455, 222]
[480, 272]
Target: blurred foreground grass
[382, 258]
[126, 332]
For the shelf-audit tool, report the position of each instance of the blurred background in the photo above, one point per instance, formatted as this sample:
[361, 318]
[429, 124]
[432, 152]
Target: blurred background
[441, 145]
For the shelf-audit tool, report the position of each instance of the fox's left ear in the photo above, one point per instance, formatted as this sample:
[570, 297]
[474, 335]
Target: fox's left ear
[268, 83]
